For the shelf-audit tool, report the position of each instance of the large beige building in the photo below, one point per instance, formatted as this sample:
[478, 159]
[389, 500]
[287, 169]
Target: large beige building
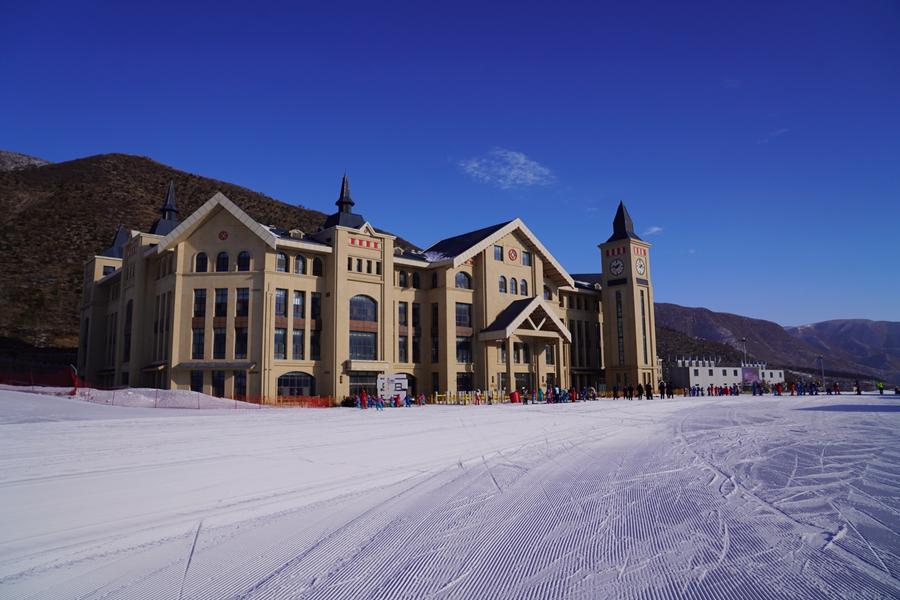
[222, 304]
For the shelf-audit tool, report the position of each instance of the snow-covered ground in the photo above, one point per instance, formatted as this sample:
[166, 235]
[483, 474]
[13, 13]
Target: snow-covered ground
[704, 498]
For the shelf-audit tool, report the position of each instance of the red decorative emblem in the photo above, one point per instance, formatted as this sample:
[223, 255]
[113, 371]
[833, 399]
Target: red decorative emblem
[223, 235]
[513, 255]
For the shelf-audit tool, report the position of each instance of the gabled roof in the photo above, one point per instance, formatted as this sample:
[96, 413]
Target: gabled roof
[212, 207]
[457, 250]
[532, 314]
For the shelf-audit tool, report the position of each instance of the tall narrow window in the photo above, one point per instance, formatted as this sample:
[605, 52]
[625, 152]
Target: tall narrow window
[415, 315]
[242, 302]
[221, 302]
[503, 352]
[620, 328]
[644, 326]
[198, 343]
[299, 305]
[401, 314]
[315, 306]
[240, 384]
[463, 314]
[197, 381]
[280, 343]
[222, 262]
[218, 383]
[299, 265]
[526, 259]
[502, 286]
[219, 343]
[435, 354]
[281, 262]
[240, 342]
[401, 348]
[415, 281]
[401, 279]
[434, 315]
[548, 355]
[280, 303]
[498, 253]
[317, 267]
[202, 263]
[243, 262]
[547, 294]
[315, 346]
[464, 349]
[513, 286]
[416, 355]
[523, 288]
[463, 281]
[297, 352]
[434, 280]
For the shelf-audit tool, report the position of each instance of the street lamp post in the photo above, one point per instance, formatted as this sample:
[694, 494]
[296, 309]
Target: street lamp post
[744, 342]
[822, 362]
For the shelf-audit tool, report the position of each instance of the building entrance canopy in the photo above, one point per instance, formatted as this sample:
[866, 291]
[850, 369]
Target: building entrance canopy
[526, 317]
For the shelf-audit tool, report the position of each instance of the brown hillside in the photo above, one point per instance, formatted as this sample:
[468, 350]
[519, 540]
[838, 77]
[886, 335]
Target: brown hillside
[53, 217]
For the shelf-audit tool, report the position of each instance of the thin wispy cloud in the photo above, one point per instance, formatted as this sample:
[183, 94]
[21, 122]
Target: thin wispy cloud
[781, 131]
[653, 231]
[507, 169]
[731, 83]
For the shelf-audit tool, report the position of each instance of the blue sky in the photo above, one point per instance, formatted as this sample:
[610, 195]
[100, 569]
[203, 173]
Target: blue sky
[757, 147]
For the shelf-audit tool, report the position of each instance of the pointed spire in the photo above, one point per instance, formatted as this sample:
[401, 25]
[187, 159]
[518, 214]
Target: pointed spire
[345, 203]
[623, 227]
[169, 210]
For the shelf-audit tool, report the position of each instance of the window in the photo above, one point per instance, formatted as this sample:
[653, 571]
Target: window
[578, 303]
[107, 269]
[126, 337]
[359, 265]
[526, 353]
[548, 355]
[434, 280]
[240, 384]
[349, 263]
[415, 315]
[463, 281]
[547, 294]
[297, 350]
[363, 380]
[517, 353]
[724, 372]
[363, 345]
[513, 286]
[464, 349]
[315, 306]
[240, 342]
[218, 383]
[299, 265]
[221, 302]
[401, 348]
[242, 302]
[280, 303]
[280, 341]
[199, 303]
[201, 265]
[502, 287]
[415, 281]
[710, 372]
[296, 384]
[620, 328]
[503, 357]
[526, 259]
[435, 382]
[222, 262]
[198, 343]
[464, 382]
[317, 269]
[281, 262]
[434, 315]
[523, 287]
[378, 267]
[463, 315]
[219, 343]
[197, 381]
[363, 308]
[498, 253]
[416, 354]
[434, 350]
[369, 267]
[401, 314]
[401, 279]
[299, 305]
[315, 346]
[243, 262]
[696, 372]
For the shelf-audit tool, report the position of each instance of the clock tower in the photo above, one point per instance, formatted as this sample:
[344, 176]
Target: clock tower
[629, 325]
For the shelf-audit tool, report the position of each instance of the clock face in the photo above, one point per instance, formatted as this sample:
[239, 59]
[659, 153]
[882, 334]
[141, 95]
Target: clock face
[640, 266]
[616, 267]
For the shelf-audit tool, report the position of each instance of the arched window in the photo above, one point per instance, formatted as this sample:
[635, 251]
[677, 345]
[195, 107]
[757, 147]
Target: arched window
[296, 383]
[547, 294]
[463, 281]
[299, 265]
[502, 284]
[363, 308]
[222, 262]
[523, 287]
[513, 286]
[281, 263]
[415, 279]
[401, 279]
[433, 280]
[244, 261]
[202, 263]
[317, 267]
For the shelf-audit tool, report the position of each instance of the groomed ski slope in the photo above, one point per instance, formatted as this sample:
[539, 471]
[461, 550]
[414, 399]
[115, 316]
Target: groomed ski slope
[714, 498]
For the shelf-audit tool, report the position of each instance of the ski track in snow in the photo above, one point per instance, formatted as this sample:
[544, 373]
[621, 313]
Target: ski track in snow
[710, 498]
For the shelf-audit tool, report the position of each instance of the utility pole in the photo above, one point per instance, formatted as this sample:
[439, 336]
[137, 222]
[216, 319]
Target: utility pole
[822, 361]
[744, 342]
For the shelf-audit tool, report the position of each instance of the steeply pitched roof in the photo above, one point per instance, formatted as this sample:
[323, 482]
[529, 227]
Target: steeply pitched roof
[115, 249]
[623, 228]
[165, 224]
[344, 217]
[452, 247]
